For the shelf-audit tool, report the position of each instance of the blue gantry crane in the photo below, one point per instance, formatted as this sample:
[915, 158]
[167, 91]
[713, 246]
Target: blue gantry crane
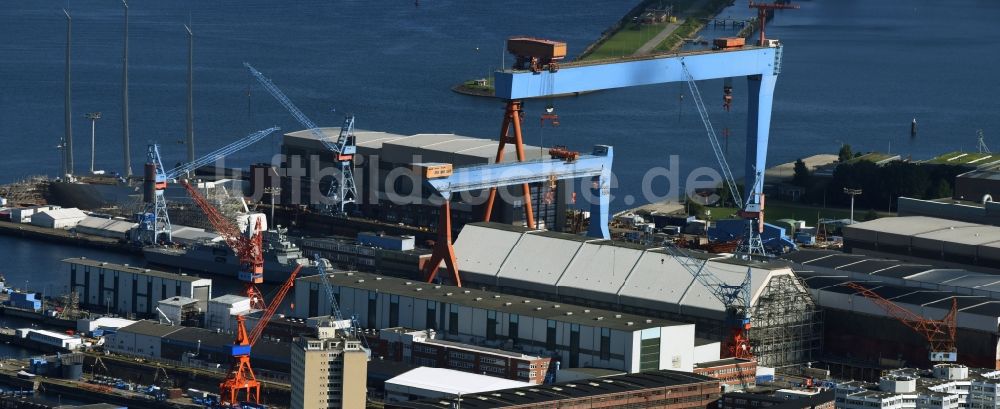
[342, 190]
[596, 166]
[759, 64]
[154, 221]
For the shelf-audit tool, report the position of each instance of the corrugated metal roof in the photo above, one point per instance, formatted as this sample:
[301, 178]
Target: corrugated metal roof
[466, 296]
[596, 269]
[135, 270]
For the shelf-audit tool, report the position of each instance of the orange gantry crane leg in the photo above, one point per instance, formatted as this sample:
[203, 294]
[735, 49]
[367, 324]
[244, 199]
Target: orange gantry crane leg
[513, 115]
[240, 376]
[443, 249]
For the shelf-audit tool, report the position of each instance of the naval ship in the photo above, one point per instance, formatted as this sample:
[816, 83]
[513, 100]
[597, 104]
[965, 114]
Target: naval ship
[281, 256]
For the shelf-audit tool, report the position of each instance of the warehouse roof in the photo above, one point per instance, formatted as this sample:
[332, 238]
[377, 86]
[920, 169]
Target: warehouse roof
[525, 306]
[537, 394]
[100, 223]
[151, 328]
[907, 225]
[568, 265]
[362, 137]
[813, 262]
[66, 213]
[136, 270]
[229, 299]
[452, 382]
[454, 146]
[207, 338]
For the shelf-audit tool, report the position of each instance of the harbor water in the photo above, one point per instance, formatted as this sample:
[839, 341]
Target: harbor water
[854, 72]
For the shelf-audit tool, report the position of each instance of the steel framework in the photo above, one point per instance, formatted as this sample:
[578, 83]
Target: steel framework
[787, 324]
[596, 166]
[940, 334]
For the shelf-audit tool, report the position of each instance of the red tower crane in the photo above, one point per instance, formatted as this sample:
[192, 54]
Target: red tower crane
[940, 334]
[762, 10]
[249, 250]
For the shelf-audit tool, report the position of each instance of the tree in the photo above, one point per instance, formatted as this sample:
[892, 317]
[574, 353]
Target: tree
[802, 176]
[939, 189]
[870, 215]
[845, 153]
[694, 208]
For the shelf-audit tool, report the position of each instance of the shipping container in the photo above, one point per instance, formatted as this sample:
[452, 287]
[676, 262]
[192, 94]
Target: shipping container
[729, 42]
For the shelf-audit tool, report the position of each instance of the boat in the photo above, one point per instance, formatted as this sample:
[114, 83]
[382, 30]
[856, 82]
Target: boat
[281, 257]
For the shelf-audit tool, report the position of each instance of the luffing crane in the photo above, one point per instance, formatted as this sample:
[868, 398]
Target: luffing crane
[753, 209]
[154, 222]
[342, 191]
[248, 246]
[736, 299]
[940, 334]
[341, 322]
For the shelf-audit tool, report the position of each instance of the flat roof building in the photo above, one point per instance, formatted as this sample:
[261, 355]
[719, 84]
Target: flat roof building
[328, 373]
[425, 383]
[643, 280]
[926, 238]
[131, 291]
[578, 336]
[653, 389]
[383, 157]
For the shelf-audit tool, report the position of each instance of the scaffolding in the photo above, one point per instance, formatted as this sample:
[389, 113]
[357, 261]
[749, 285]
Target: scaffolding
[787, 324]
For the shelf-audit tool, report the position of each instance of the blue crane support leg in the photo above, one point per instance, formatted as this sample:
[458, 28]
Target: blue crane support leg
[761, 92]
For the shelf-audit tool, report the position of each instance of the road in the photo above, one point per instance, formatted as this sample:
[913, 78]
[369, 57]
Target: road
[669, 29]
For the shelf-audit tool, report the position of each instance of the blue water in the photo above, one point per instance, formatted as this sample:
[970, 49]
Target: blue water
[854, 72]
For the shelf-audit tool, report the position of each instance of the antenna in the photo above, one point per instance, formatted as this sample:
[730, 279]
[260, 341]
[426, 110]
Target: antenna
[190, 95]
[981, 143]
[68, 141]
[125, 138]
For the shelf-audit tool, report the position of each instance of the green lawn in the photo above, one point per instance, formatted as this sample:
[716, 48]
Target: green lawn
[775, 210]
[675, 39]
[958, 158]
[626, 41]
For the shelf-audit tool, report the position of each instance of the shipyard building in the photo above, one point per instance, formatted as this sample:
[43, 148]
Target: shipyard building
[381, 159]
[129, 290]
[859, 331]
[646, 281]
[576, 336]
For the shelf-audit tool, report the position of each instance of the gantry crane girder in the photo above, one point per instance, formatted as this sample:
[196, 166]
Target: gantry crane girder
[760, 65]
[596, 166]
[940, 334]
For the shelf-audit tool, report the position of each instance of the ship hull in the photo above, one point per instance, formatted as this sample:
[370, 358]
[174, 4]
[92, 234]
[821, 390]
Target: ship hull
[217, 262]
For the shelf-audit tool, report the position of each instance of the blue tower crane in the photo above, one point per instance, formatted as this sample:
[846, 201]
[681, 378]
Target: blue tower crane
[759, 64]
[342, 190]
[735, 298]
[154, 222]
